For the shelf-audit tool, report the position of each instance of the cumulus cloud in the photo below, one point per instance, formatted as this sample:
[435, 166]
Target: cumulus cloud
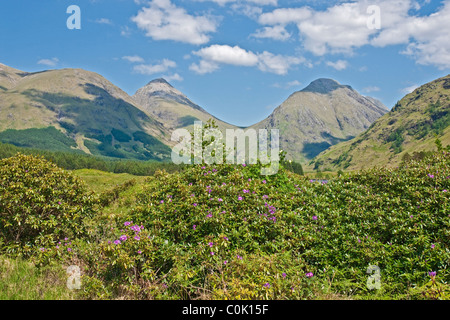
[163, 20]
[149, 69]
[344, 27]
[215, 55]
[426, 40]
[338, 65]
[49, 62]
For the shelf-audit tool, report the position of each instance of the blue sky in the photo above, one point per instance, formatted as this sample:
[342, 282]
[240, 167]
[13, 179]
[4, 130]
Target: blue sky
[238, 59]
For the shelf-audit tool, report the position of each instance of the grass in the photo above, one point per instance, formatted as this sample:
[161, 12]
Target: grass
[101, 181]
[21, 280]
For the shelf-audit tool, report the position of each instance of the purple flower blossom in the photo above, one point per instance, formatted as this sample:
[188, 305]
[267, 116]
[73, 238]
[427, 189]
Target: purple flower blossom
[283, 275]
[225, 262]
[194, 226]
[123, 238]
[314, 217]
[432, 246]
[267, 285]
[209, 215]
[226, 238]
[210, 244]
[431, 176]
[220, 199]
[127, 223]
[212, 253]
[194, 204]
[432, 274]
[239, 257]
[239, 198]
[139, 251]
[69, 249]
[310, 274]
[137, 238]
[264, 181]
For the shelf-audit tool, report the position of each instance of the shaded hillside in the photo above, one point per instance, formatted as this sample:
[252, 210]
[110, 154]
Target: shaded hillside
[96, 116]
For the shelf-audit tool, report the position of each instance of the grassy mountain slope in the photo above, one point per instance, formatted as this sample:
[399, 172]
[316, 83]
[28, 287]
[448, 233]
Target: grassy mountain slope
[319, 116]
[409, 127]
[85, 107]
[171, 107]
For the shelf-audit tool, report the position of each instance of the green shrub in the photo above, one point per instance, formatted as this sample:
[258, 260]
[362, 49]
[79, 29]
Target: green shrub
[39, 204]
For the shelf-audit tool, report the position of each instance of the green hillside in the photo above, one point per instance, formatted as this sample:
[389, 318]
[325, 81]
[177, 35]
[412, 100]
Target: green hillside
[73, 109]
[411, 127]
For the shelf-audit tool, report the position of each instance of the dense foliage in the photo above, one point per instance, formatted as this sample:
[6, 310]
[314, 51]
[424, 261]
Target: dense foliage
[227, 232]
[40, 204]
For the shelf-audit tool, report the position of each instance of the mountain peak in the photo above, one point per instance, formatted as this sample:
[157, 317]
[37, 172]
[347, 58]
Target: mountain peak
[324, 86]
[159, 81]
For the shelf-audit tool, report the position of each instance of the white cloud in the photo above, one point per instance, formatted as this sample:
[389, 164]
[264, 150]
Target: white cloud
[288, 85]
[173, 77]
[343, 27]
[277, 64]
[133, 59]
[49, 62]
[284, 16]
[338, 65]
[409, 89]
[162, 20]
[215, 55]
[256, 2]
[426, 38]
[103, 21]
[275, 33]
[370, 89]
[227, 55]
[204, 67]
[149, 69]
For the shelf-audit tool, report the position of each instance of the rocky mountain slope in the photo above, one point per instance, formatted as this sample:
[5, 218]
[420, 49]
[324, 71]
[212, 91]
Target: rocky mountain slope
[171, 107]
[319, 116]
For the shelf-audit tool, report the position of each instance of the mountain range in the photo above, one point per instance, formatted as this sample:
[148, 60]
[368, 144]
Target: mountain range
[81, 111]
